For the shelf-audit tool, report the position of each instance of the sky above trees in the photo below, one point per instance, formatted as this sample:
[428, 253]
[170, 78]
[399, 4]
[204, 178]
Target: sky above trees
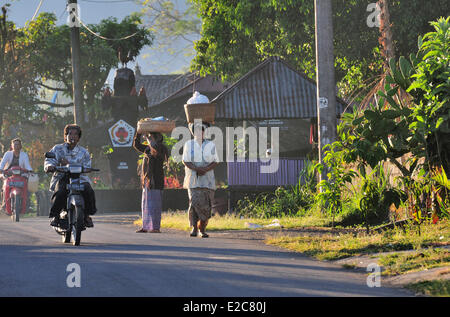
[151, 60]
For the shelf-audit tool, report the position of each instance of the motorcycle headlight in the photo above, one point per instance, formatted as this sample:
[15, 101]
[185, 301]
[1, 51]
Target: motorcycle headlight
[75, 169]
[16, 172]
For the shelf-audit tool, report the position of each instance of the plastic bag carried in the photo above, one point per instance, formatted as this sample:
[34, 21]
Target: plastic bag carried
[198, 107]
[197, 98]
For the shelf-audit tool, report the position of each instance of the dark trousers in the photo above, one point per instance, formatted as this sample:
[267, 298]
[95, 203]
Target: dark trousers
[59, 198]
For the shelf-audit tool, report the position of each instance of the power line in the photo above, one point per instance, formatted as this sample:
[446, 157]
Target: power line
[37, 10]
[102, 37]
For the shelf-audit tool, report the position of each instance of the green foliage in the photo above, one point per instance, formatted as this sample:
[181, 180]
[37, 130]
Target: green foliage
[428, 196]
[430, 90]
[332, 194]
[132, 24]
[440, 288]
[395, 125]
[38, 56]
[283, 202]
[173, 168]
[377, 197]
[238, 35]
[399, 124]
[441, 191]
[17, 76]
[107, 149]
[49, 50]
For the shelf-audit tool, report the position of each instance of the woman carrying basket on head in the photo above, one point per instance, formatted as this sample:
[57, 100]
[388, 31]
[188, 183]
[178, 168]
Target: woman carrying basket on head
[152, 179]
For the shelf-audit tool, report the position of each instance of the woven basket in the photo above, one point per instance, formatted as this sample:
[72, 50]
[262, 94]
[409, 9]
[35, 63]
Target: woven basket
[148, 125]
[203, 111]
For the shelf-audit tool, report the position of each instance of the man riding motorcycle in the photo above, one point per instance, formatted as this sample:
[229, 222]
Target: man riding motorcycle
[69, 152]
[14, 157]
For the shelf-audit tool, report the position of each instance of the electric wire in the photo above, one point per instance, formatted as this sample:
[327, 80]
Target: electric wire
[102, 37]
[37, 10]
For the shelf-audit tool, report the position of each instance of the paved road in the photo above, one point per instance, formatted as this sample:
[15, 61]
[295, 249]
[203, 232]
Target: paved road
[116, 261]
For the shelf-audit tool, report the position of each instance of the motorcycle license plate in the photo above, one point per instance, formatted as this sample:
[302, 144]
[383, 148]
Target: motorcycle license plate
[79, 187]
[16, 184]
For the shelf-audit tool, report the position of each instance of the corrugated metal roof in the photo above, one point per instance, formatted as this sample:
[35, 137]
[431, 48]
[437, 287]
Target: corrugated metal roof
[159, 87]
[273, 89]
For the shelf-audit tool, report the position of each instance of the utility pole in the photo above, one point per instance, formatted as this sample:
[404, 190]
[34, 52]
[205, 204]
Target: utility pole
[76, 63]
[326, 86]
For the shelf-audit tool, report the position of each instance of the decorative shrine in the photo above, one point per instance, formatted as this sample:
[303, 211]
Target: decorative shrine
[124, 103]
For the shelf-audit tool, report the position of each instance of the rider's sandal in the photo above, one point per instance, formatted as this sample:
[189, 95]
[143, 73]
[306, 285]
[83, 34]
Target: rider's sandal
[142, 230]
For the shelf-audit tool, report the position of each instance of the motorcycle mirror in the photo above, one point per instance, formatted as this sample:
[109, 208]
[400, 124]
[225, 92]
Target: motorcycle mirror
[50, 155]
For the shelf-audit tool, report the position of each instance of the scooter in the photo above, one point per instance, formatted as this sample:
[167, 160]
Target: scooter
[16, 192]
[72, 217]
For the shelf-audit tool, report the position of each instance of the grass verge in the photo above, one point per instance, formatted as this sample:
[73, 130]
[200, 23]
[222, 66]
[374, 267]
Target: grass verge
[397, 263]
[179, 220]
[439, 288]
[334, 247]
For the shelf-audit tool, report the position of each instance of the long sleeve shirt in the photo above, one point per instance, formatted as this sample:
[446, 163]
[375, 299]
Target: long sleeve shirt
[7, 159]
[152, 171]
[78, 155]
[200, 155]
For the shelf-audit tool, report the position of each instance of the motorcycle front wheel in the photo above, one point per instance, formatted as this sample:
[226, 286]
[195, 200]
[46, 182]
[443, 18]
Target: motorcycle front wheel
[67, 235]
[16, 203]
[78, 225]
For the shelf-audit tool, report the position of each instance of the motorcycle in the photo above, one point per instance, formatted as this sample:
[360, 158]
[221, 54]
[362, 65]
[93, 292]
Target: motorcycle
[72, 216]
[16, 192]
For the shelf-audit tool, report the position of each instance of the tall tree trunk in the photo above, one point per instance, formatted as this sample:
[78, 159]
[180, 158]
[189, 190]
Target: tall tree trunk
[385, 38]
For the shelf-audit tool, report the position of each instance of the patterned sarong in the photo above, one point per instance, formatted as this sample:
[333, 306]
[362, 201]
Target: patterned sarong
[151, 206]
[200, 204]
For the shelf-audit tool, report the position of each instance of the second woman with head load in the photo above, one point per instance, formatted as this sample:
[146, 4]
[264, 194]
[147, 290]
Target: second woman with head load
[152, 179]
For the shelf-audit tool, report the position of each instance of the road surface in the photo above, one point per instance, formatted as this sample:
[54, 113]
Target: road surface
[113, 260]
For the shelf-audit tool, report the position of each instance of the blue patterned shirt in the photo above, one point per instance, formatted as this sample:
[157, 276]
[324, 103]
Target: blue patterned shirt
[79, 155]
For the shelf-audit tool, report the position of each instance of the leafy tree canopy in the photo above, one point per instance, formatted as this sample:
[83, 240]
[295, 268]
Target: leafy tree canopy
[51, 52]
[38, 56]
[237, 35]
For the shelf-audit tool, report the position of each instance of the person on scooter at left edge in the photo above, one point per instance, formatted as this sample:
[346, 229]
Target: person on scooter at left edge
[69, 152]
[14, 157]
